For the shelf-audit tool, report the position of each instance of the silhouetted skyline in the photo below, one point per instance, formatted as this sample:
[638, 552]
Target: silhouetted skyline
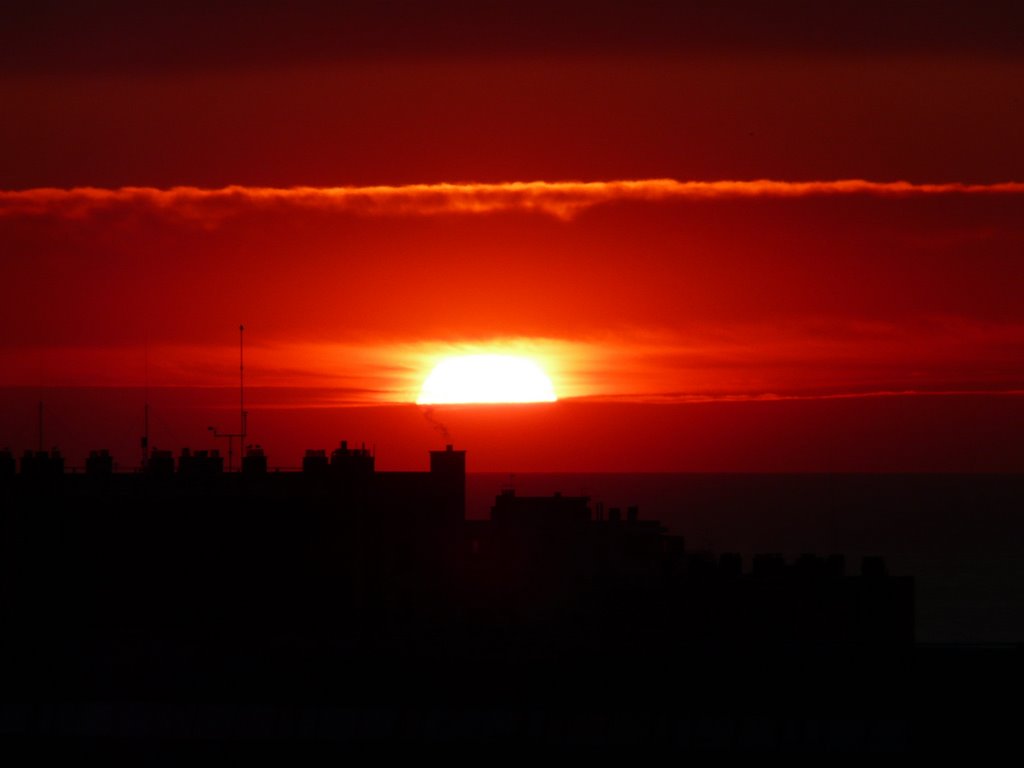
[759, 262]
[181, 583]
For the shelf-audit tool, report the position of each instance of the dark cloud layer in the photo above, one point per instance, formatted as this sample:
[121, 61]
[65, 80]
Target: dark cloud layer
[55, 37]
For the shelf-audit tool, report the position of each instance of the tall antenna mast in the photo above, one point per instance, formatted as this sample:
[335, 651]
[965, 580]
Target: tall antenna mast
[145, 432]
[145, 407]
[242, 415]
[241, 386]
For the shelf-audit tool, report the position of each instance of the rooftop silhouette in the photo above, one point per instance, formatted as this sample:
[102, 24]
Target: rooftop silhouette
[182, 581]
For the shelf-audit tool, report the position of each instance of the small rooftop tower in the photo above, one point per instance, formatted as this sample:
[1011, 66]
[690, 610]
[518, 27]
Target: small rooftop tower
[99, 464]
[160, 463]
[448, 474]
[351, 462]
[7, 463]
[314, 462]
[255, 461]
[448, 462]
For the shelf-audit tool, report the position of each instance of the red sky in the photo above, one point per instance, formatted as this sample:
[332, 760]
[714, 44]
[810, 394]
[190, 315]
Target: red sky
[372, 188]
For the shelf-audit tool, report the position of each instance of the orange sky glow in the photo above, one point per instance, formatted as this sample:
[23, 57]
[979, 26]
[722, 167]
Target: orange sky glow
[790, 254]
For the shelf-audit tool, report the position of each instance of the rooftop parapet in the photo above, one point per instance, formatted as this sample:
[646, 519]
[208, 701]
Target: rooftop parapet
[315, 461]
[99, 463]
[8, 465]
[352, 461]
[200, 463]
[42, 463]
[255, 461]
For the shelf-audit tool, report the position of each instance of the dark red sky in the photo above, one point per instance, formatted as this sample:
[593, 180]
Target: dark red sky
[794, 330]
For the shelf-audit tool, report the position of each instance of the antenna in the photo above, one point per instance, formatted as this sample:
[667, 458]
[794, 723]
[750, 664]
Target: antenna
[145, 408]
[243, 417]
[145, 431]
[40, 426]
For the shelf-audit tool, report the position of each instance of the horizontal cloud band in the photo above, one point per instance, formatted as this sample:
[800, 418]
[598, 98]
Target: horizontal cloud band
[562, 199]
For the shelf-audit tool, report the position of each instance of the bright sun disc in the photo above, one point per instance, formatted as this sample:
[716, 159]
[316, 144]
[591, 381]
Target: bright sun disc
[486, 379]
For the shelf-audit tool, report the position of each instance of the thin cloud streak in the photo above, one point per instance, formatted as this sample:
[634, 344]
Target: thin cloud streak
[807, 360]
[562, 199]
[771, 397]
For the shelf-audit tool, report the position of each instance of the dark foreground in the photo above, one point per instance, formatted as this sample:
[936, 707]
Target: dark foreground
[360, 609]
[924, 699]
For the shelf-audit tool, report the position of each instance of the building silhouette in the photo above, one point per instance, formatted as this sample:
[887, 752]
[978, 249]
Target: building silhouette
[400, 561]
[183, 582]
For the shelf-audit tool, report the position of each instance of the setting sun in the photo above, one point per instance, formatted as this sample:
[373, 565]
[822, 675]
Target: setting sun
[486, 379]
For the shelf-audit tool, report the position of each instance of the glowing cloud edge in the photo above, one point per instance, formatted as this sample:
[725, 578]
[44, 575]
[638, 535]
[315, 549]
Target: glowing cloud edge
[562, 199]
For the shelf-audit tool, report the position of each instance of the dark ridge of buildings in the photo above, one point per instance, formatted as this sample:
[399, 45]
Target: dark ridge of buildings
[339, 583]
[543, 574]
[342, 603]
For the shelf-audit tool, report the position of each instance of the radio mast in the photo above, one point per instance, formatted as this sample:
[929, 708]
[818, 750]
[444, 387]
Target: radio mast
[242, 415]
